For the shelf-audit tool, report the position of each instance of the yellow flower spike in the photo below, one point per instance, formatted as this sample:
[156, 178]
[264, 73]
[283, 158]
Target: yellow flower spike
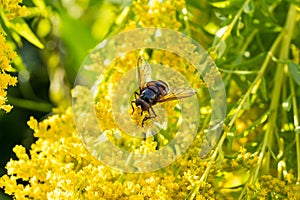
[157, 13]
[33, 124]
[12, 9]
[6, 57]
[20, 152]
[6, 108]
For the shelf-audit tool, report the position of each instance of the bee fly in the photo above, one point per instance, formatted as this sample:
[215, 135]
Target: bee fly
[152, 92]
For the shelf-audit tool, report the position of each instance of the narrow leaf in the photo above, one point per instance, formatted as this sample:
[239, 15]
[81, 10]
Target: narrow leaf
[263, 89]
[294, 69]
[22, 28]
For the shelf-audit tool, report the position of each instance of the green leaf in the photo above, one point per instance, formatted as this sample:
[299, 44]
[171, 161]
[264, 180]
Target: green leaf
[263, 89]
[21, 27]
[249, 64]
[294, 69]
[221, 48]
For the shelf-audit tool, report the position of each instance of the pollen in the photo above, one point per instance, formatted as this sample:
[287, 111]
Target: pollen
[137, 115]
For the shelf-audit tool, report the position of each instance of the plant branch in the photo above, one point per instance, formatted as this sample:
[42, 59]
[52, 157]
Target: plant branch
[207, 170]
[297, 127]
[285, 39]
[31, 105]
[256, 83]
[234, 21]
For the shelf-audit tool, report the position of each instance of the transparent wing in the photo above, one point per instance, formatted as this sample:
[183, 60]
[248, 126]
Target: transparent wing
[144, 72]
[178, 93]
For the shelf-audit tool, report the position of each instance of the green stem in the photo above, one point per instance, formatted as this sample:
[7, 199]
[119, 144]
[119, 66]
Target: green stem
[207, 170]
[252, 89]
[256, 83]
[229, 28]
[243, 49]
[284, 55]
[31, 105]
[268, 138]
[296, 124]
[287, 34]
[234, 21]
[249, 40]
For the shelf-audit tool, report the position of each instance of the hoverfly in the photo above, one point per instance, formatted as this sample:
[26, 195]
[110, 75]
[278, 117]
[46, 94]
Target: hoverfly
[152, 92]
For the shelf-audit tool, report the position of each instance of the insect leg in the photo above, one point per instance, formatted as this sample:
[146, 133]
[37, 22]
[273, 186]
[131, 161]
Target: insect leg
[153, 113]
[135, 95]
[145, 118]
[150, 117]
[132, 107]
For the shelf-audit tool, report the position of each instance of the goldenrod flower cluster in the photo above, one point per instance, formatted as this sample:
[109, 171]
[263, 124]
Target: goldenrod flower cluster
[6, 56]
[271, 187]
[59, 167]
[163, 14]
[13, 9]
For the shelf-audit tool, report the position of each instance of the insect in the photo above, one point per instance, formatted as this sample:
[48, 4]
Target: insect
[152, 92]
